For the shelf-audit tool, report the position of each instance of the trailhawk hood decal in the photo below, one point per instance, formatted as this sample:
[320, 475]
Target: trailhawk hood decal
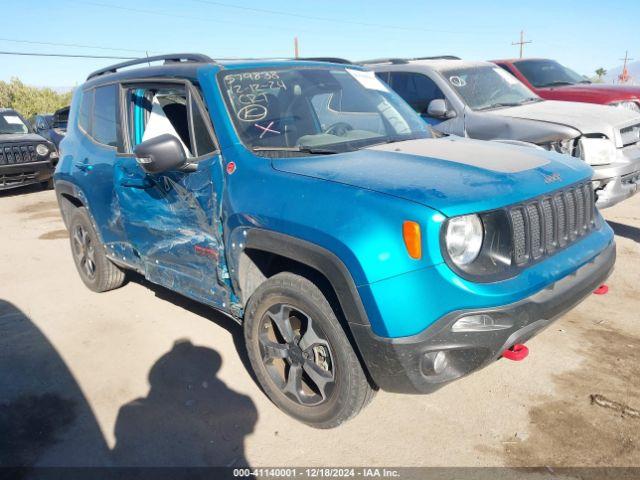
[585, 117]
[452, 174]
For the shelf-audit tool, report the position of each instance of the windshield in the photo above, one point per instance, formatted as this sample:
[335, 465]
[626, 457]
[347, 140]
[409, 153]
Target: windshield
[483, 88]
[10, 123]
[319, 109]
[547, 73]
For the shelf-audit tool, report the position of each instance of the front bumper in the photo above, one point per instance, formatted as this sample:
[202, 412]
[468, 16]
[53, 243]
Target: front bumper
[18, 175]
[424, 362]
[619, 180]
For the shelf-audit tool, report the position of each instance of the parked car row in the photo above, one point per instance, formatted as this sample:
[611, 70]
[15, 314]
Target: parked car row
[360, 246]
[481, 100]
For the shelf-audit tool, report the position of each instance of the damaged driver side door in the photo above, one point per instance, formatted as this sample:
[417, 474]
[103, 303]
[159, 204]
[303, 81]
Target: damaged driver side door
[172, 218]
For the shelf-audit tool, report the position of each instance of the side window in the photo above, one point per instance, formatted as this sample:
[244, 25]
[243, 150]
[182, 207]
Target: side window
[384, 76]
[104, 124]
[84, 117]
[201, 136]
[504, 67]
[416, 89]
[153, 111]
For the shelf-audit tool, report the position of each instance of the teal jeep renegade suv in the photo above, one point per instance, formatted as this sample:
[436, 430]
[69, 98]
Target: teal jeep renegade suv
[358, 249]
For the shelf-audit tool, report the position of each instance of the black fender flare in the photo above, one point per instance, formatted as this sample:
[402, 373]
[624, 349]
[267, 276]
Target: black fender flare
[318, 258]
[64, 190]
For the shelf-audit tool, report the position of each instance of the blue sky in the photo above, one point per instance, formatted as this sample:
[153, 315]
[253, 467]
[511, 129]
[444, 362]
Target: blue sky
[583, 34]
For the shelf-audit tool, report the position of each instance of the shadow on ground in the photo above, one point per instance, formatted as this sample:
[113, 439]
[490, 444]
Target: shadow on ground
[203, 311]
[14, 192]
[188, 418]
[626, 231]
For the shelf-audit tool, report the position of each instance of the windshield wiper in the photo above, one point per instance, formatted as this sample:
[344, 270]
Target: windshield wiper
[302, 149]
[500, 104]
[559, 83]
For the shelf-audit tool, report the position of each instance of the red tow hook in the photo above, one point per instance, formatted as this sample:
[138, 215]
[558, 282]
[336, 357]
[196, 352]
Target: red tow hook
[601, 290]
[516, 353]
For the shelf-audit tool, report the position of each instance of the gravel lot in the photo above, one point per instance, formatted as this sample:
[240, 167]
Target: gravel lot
[141, 376]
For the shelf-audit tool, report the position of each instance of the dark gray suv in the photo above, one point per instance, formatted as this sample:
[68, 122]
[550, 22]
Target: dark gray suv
[25, 157]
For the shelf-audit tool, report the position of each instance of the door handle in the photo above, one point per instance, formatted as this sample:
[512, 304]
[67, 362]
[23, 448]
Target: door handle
[84, 165]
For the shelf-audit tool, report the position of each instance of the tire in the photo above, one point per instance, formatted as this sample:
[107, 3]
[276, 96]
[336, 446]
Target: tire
[47, 184]
[333, 387]
[96, 271]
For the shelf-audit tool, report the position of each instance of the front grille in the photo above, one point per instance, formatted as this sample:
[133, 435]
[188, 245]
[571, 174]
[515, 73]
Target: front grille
[542, 226]
[16, 153]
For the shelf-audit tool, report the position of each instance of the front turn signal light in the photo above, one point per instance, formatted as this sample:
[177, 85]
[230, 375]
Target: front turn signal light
[412, 238]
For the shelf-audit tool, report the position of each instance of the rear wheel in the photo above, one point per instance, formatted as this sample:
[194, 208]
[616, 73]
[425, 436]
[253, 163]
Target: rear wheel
[301, 356]
[96, 271]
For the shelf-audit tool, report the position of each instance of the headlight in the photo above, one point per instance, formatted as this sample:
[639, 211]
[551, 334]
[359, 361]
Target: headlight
[630, 105]
[42, 150]
[561, 146]
[464, 239]
[597, 151]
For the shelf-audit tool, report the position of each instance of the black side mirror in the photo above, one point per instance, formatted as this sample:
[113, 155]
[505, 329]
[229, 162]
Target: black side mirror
[438, 109]
[160, 154]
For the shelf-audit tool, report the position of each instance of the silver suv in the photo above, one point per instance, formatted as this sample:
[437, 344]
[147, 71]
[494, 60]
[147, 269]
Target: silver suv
[481, 100]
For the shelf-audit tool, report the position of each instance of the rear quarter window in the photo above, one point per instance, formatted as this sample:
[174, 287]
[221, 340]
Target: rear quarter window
[86, 107]
[104, 123]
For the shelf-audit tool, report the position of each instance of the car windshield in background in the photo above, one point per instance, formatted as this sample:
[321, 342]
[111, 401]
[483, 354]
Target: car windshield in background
[547, 73]
[60, 120]
[316, 110]
[11, 123]
[484, 88]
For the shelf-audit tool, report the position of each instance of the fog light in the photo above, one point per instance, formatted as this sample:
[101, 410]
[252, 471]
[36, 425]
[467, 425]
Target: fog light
[480, 323]
[434, 363]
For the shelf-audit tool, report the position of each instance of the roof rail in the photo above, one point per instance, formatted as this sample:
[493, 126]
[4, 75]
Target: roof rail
[170, 58]
[384, 60]
[438, 57]
[326, 59]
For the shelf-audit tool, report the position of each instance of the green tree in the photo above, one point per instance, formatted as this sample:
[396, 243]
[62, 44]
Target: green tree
[601, 72]
[31, 100]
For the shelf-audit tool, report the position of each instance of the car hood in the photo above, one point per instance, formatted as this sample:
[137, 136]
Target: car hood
[594, 92]
[586, 117]
[453, 175]
[21, 137]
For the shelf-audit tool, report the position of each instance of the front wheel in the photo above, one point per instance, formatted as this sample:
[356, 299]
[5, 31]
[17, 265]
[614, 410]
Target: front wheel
[96, 271]
[300, 354]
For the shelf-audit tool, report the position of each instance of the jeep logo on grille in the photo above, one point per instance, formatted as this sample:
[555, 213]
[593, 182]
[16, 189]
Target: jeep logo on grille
[554, 177]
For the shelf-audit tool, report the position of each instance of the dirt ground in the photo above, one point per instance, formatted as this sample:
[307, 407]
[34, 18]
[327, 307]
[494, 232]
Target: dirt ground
[141, 376]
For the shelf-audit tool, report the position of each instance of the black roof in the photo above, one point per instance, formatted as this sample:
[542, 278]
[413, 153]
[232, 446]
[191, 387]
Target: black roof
[174, 58]
[178, 65]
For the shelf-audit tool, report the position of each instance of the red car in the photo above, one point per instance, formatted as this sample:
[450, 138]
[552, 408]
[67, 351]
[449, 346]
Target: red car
[554, 81]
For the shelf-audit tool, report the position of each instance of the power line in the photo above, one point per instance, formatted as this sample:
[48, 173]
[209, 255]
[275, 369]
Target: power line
[262, 10]
[75, 45]
[35, 54]
[312, 17]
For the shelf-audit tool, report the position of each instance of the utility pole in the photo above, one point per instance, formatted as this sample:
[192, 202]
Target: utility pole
[521, 42]
[624, 74]
[296, 51]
